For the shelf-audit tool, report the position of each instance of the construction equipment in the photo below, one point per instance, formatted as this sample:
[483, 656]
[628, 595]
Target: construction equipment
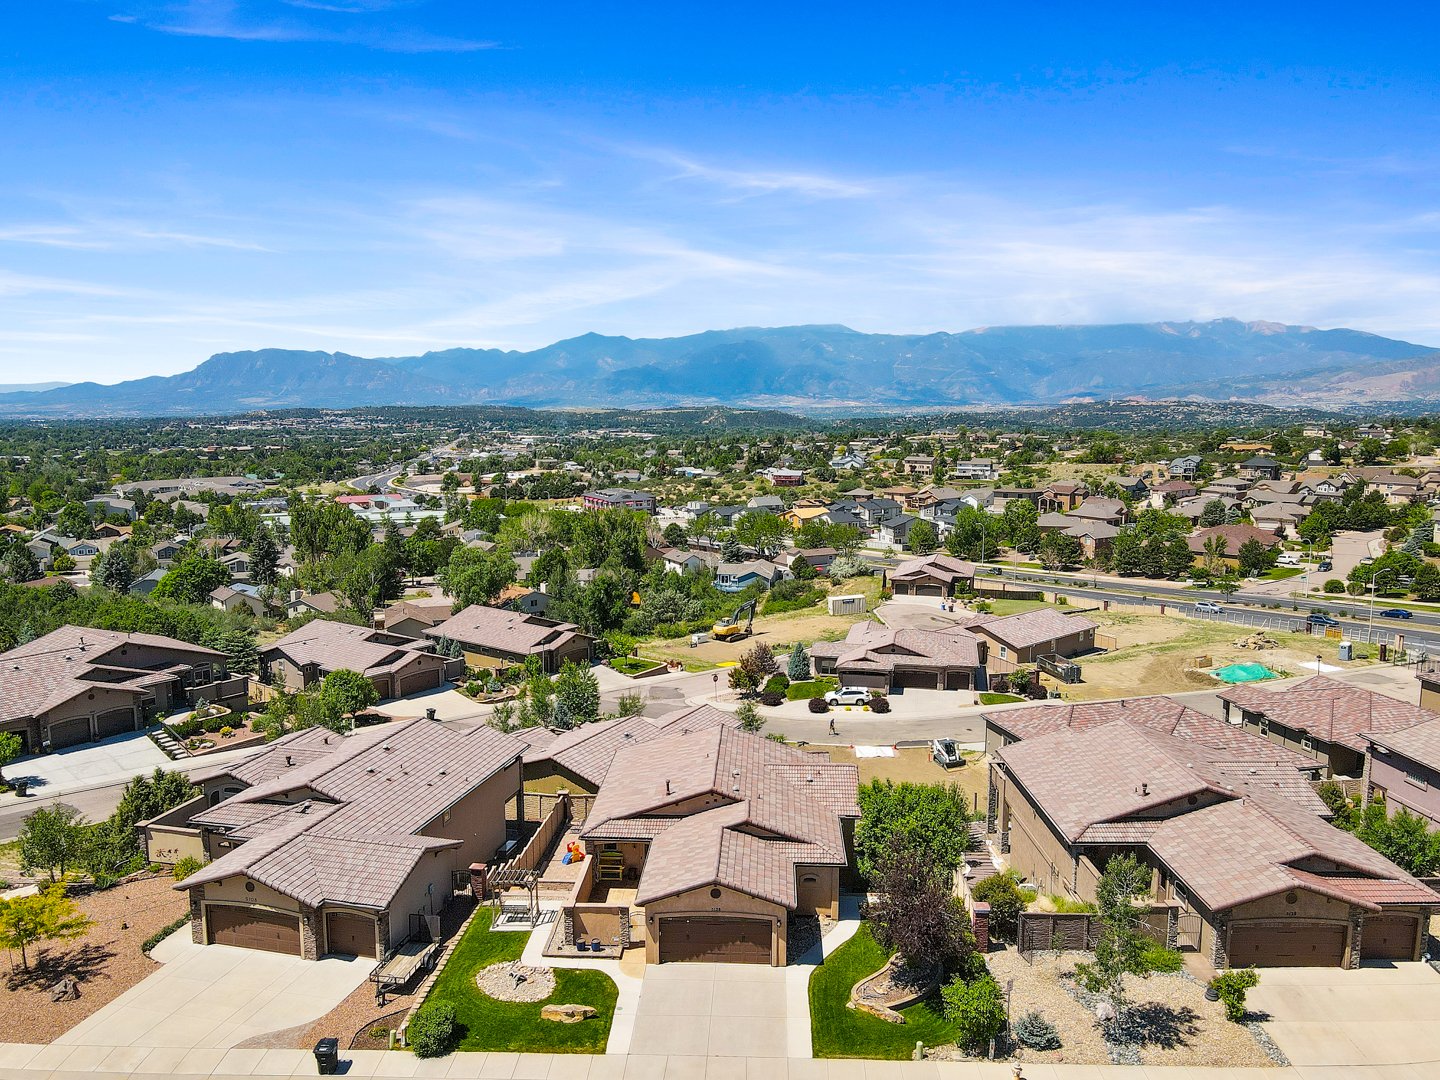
[729, 628]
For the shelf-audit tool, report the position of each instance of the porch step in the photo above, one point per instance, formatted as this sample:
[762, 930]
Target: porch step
[168, 744]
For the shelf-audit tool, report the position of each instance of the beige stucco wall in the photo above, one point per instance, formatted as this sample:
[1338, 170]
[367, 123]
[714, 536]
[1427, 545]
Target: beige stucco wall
[232, 890]
[823, 894]
[700, 902]
[548, 778]
[1037, 852]
[478, 820]
[425, 892]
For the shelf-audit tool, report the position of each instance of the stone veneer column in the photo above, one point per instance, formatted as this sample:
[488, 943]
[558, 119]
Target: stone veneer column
[382, 934]
[1172, 928]
[1219, 956]
[197, 915]
[1425, 914]
[1357, 933]
[992, 806]
[309, 938]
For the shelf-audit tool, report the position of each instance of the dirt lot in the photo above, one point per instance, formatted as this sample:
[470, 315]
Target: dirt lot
[1155, 654]
[914, 764]
[1181, 1027]
[106, 962]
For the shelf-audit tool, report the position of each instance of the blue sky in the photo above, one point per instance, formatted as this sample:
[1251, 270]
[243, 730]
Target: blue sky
[385, 177]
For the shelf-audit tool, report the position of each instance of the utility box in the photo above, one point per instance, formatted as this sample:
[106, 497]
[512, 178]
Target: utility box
[847, 605]
[1347, 650]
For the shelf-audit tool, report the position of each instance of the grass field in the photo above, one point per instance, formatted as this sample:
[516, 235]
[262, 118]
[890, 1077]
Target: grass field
[487, 1024]
[840, 1032]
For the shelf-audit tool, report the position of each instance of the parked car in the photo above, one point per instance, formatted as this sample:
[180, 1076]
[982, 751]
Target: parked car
[848, 695]
[1289, 558]
[1397, 613]
[1326, 564]
[1367, 560]
[1207, 607]
[946, 753]
[1319, 618]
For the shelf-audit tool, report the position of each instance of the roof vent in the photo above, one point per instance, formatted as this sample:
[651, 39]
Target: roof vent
[371, 770]
[1144, 789]
[289, 760]
[668, 789]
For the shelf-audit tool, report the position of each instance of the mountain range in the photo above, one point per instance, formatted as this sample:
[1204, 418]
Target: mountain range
[804, 368]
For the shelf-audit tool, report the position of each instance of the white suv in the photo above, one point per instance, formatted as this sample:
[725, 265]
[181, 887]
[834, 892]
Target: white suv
[848, 695]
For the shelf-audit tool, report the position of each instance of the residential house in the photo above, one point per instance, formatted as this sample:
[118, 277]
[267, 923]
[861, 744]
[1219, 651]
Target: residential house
[1184, 467]
[1260, 468]
[933, 495]
[111, 505]
[693, 561]
[523, 599]
[300, 603]
[410, 618]
[770, 504]
[727, 515]
[1096, 537]
[1403, 768]
[492, 638]
[1245, 870]
[1399, 489]
[783, 477]
[1023, 638]
[1227, 487]
[326, 844]
[847, 462]
[1173, 491]
[238, 596]
[819, 559]
[895, 531]
[397, 665]
[976, 469]
[1234, 537]
[166, 551]
[724, 837]
[1094, 508]
[733, 577]
[619, 498]
[1321, 718]
[237, 563]
[918, 465]
[145, 584]
[877, 656]
[77, 684]
[800, 513]
[1061, 497]
[933, 575]
[874, 512]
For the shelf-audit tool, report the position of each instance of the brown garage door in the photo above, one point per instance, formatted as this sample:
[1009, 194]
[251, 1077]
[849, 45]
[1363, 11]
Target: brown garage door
[420, 680]
[348, 933]
[922, 590]
[722, 941]
[1296, 944]
[957, 680]
[924, 680]
[69, 733]
[115, 722]
[1388, 937]
[254, 928]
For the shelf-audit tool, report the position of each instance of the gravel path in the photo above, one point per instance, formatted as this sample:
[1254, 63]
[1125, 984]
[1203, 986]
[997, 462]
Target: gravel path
[106, 962]
[1180, 1027]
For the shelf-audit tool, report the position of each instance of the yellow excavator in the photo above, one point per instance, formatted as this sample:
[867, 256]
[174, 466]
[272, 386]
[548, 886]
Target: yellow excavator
[729, 628]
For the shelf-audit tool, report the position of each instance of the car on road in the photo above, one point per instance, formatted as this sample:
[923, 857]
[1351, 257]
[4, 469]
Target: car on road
[1319, 618]
[1326, 564]
[1397, 613]
[848, 695]
[946, 753]
[1208, 607]
[1367, 560]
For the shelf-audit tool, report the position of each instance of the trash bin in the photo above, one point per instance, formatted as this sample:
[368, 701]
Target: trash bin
[327, 1057]
[1347, 650]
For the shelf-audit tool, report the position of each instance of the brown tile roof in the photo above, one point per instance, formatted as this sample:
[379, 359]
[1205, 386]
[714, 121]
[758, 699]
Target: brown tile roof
[1419, 743]
[944, 568]
[1330, 710]
[1235, 536]
[1030, 628]
[756, 810]
[587, 751]
[507, 631]
[333, 645]
[71, 660]
[351, 836]
[876, 647]
[1224, 742]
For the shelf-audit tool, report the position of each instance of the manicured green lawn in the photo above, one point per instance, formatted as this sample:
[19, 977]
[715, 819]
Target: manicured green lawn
[487, 1024]
[1001, 606]
[802, 691]
[632, 665]
[991, 698]
[838, 1032]
[1280, 573]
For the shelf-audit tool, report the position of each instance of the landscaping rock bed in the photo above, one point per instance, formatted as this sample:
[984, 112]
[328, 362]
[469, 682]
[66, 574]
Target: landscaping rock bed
[516, 982]
[892, 988]
[804, 932]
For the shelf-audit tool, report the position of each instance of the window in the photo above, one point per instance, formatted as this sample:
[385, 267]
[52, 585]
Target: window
[1004, 653]
[1306, 743]
[1264, 726]
[1416, 780]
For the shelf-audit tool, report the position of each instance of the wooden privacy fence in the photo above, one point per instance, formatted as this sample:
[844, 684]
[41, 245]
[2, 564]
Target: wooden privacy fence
[533, 854]
[536, 805]
[1053, 931]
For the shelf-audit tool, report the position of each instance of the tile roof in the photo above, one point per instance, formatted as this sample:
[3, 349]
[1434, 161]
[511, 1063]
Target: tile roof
[942, 567]
[1330, 710]
[347, 828]
[587, 750]
[745, 811]
[876, 647]
[1419, 743]
[1028, 628]
[1234, 536]
[511, 632]
[71, 660]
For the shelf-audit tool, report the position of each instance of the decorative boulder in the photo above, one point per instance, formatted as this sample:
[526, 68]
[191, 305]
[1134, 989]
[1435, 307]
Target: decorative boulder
[567, 1014]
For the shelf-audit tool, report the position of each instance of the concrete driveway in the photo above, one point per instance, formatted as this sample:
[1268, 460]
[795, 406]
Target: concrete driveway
[712, 1010]
[1381, 1015]
[218, 996]
[110, 761]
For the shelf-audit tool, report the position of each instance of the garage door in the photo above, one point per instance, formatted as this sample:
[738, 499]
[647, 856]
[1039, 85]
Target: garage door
[420, 680]
[1298, 944]
[716, 941]
[924, 590]
[957, 680]
[1388, 937]
[924, 680]
[69, 733]
[254, 928]
[115, 722]
[353, 935]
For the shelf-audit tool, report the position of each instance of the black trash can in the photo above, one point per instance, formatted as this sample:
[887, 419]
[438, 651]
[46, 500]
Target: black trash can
[327, 1057]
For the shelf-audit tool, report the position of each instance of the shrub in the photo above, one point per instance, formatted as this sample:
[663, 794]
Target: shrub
[212, 724]
[819, 705]
[1232, 986]
[880, 704]
[183, 868]
[1334, 585]
[227, 732]
[1034, 1031]
[777, 683]
[1002, 893]
[474, 688]
[432, 1031]
[1157, 958]
[976, 1008]
[772, 698]
[185, 729]
[161, 934]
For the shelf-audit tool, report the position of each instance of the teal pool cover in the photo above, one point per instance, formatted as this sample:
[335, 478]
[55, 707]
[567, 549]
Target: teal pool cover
[1238, 673]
